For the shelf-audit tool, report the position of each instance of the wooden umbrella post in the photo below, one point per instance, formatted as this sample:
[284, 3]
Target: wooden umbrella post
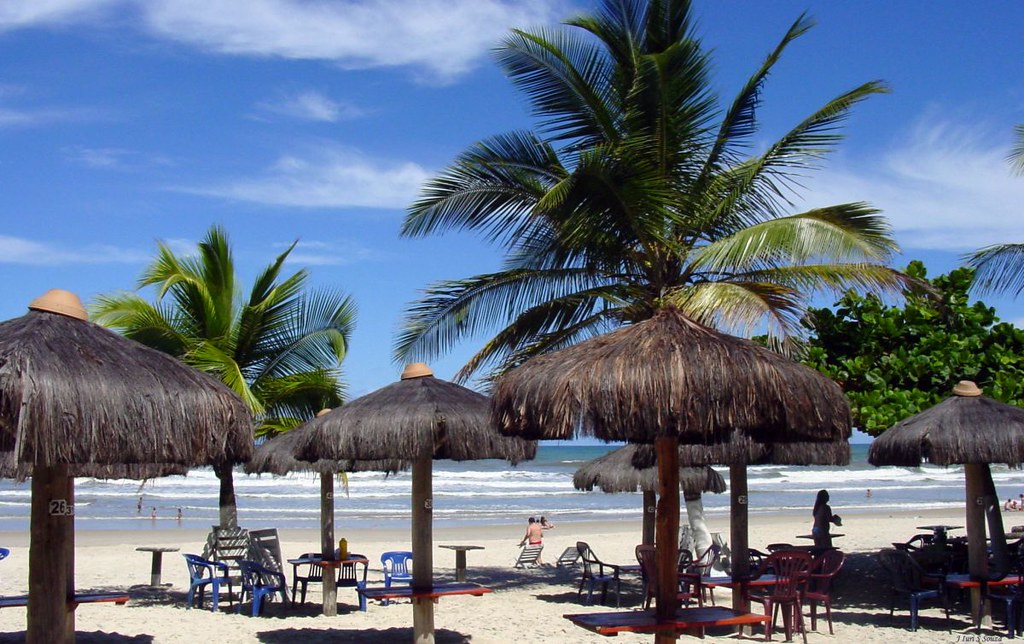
[330, 579]
[49, 620]
[738, 528]
[667, 533]
[650, 512]
[977, 549]
[422, 549]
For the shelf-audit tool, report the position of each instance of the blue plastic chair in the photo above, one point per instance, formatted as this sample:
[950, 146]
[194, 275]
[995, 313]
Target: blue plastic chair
[3, 553]
[396, 567]
[203, 573]
[907, 578]
[259, 582]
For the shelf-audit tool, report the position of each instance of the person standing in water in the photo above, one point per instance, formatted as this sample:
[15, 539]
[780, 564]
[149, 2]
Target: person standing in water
[823, 518]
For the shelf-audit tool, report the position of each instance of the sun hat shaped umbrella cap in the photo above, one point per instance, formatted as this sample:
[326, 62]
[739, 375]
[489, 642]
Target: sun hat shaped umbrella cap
[967, 427]
[59, 301]
[416, 370]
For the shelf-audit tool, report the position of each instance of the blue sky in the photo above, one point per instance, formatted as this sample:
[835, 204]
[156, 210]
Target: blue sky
[124, 122]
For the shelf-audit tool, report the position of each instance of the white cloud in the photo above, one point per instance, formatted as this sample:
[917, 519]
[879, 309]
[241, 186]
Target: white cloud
[24, 13]
[95, 157]
[327, 178]
[312, 106]
[947, 187]
[319, 253]
[445, 38]
[35, 117]
[16, 250]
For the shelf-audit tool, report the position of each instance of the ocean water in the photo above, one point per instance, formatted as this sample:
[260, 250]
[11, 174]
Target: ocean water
[491, 492]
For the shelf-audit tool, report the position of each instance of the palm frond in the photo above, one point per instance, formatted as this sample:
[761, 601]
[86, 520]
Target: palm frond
[209, 358]
[155, 326]
[1016, 157]
[998, 269]
[838, 278]
[840, 233]
[744, 308]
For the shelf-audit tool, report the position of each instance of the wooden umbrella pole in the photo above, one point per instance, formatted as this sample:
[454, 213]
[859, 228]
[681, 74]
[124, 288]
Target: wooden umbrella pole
[738, 526]
[51, 531]
[977, 548]
[667, 533]
[69, 547]
[330, 579]
[422, 549]
[650, 511]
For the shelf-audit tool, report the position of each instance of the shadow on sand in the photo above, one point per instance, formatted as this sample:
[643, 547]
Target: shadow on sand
[289, 635]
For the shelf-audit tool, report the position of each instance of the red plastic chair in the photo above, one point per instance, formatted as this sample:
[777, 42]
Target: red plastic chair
[791, 568]
[645, 556]
[819, 585]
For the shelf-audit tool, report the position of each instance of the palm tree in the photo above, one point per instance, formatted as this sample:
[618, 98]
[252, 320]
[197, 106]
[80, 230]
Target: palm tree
[1000, 268]
[279, 349]
[636, 192]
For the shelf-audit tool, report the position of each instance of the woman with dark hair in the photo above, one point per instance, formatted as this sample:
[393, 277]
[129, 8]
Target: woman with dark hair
[822, 518]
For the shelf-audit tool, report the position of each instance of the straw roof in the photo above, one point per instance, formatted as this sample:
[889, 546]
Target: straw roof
[74, 392]
[277, 456]
[633, 468]
[9, 469]
[417, 417]
[670, 376]
[965, 428]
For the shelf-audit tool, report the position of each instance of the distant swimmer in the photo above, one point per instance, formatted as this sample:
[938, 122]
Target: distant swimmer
[869, 493]
[152, 514]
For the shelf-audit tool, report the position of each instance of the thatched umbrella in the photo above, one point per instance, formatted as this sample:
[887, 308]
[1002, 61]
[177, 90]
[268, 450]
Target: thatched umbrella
[278, 456]
[419, 418]
[684, 387]
[75, 396]
[968, 429]
[633, 468]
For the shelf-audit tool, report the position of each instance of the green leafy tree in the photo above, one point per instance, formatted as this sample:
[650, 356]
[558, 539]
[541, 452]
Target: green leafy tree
[638, 191]
[895, 361]
[279, 348]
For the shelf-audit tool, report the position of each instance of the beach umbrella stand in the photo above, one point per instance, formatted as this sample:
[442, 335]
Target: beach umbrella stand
[77, 398]
[701, 397]
[417, 419]
[972, 430]
[278, 455]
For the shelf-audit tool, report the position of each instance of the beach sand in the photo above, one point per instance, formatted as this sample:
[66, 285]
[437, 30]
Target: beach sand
[525, 605]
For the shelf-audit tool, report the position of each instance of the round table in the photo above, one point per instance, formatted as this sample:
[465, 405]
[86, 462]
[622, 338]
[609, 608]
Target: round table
[460, 559]
[158, 558]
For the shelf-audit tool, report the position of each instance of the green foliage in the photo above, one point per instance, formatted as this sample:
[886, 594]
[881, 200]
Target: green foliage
[639, 189]
[895, 361]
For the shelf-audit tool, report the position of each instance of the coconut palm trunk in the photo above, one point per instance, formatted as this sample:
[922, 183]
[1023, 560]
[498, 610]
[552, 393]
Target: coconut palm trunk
[698, 524]
[228, 506]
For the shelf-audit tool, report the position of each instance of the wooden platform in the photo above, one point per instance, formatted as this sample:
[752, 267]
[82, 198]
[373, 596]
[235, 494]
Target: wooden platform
[90, 598]
[434, 592]
[690, 621]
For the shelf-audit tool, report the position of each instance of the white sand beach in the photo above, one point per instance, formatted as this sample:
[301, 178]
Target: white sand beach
[525, 604]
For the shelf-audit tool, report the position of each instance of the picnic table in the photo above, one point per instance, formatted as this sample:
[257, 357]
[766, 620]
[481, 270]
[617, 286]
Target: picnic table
[460, 559]
[433, 592]
[687, 621]
[156, 568]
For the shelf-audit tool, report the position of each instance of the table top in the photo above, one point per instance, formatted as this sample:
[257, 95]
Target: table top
[647, 621]
[157, 549]
[462, 547]
[811, 536]
[435, 591]
[965, 581]
[329, 563]
[939, 527]
[727, 581]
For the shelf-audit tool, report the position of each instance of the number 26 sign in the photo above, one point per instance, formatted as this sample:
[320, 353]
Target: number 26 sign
[60, 507]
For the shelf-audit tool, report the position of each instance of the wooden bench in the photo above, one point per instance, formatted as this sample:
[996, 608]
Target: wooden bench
[688, 621]
[86, 598]
[434, 592]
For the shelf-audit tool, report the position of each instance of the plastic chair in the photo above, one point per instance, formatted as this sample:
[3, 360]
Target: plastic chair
[203, 573]
[908, 579]
[819, 585]
[645, 556]
[396, 567]
[792, 568]
[594, 574]
[349, 577]
[1012, 597]
[314, 572]
[703, 566]
[259, 582]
